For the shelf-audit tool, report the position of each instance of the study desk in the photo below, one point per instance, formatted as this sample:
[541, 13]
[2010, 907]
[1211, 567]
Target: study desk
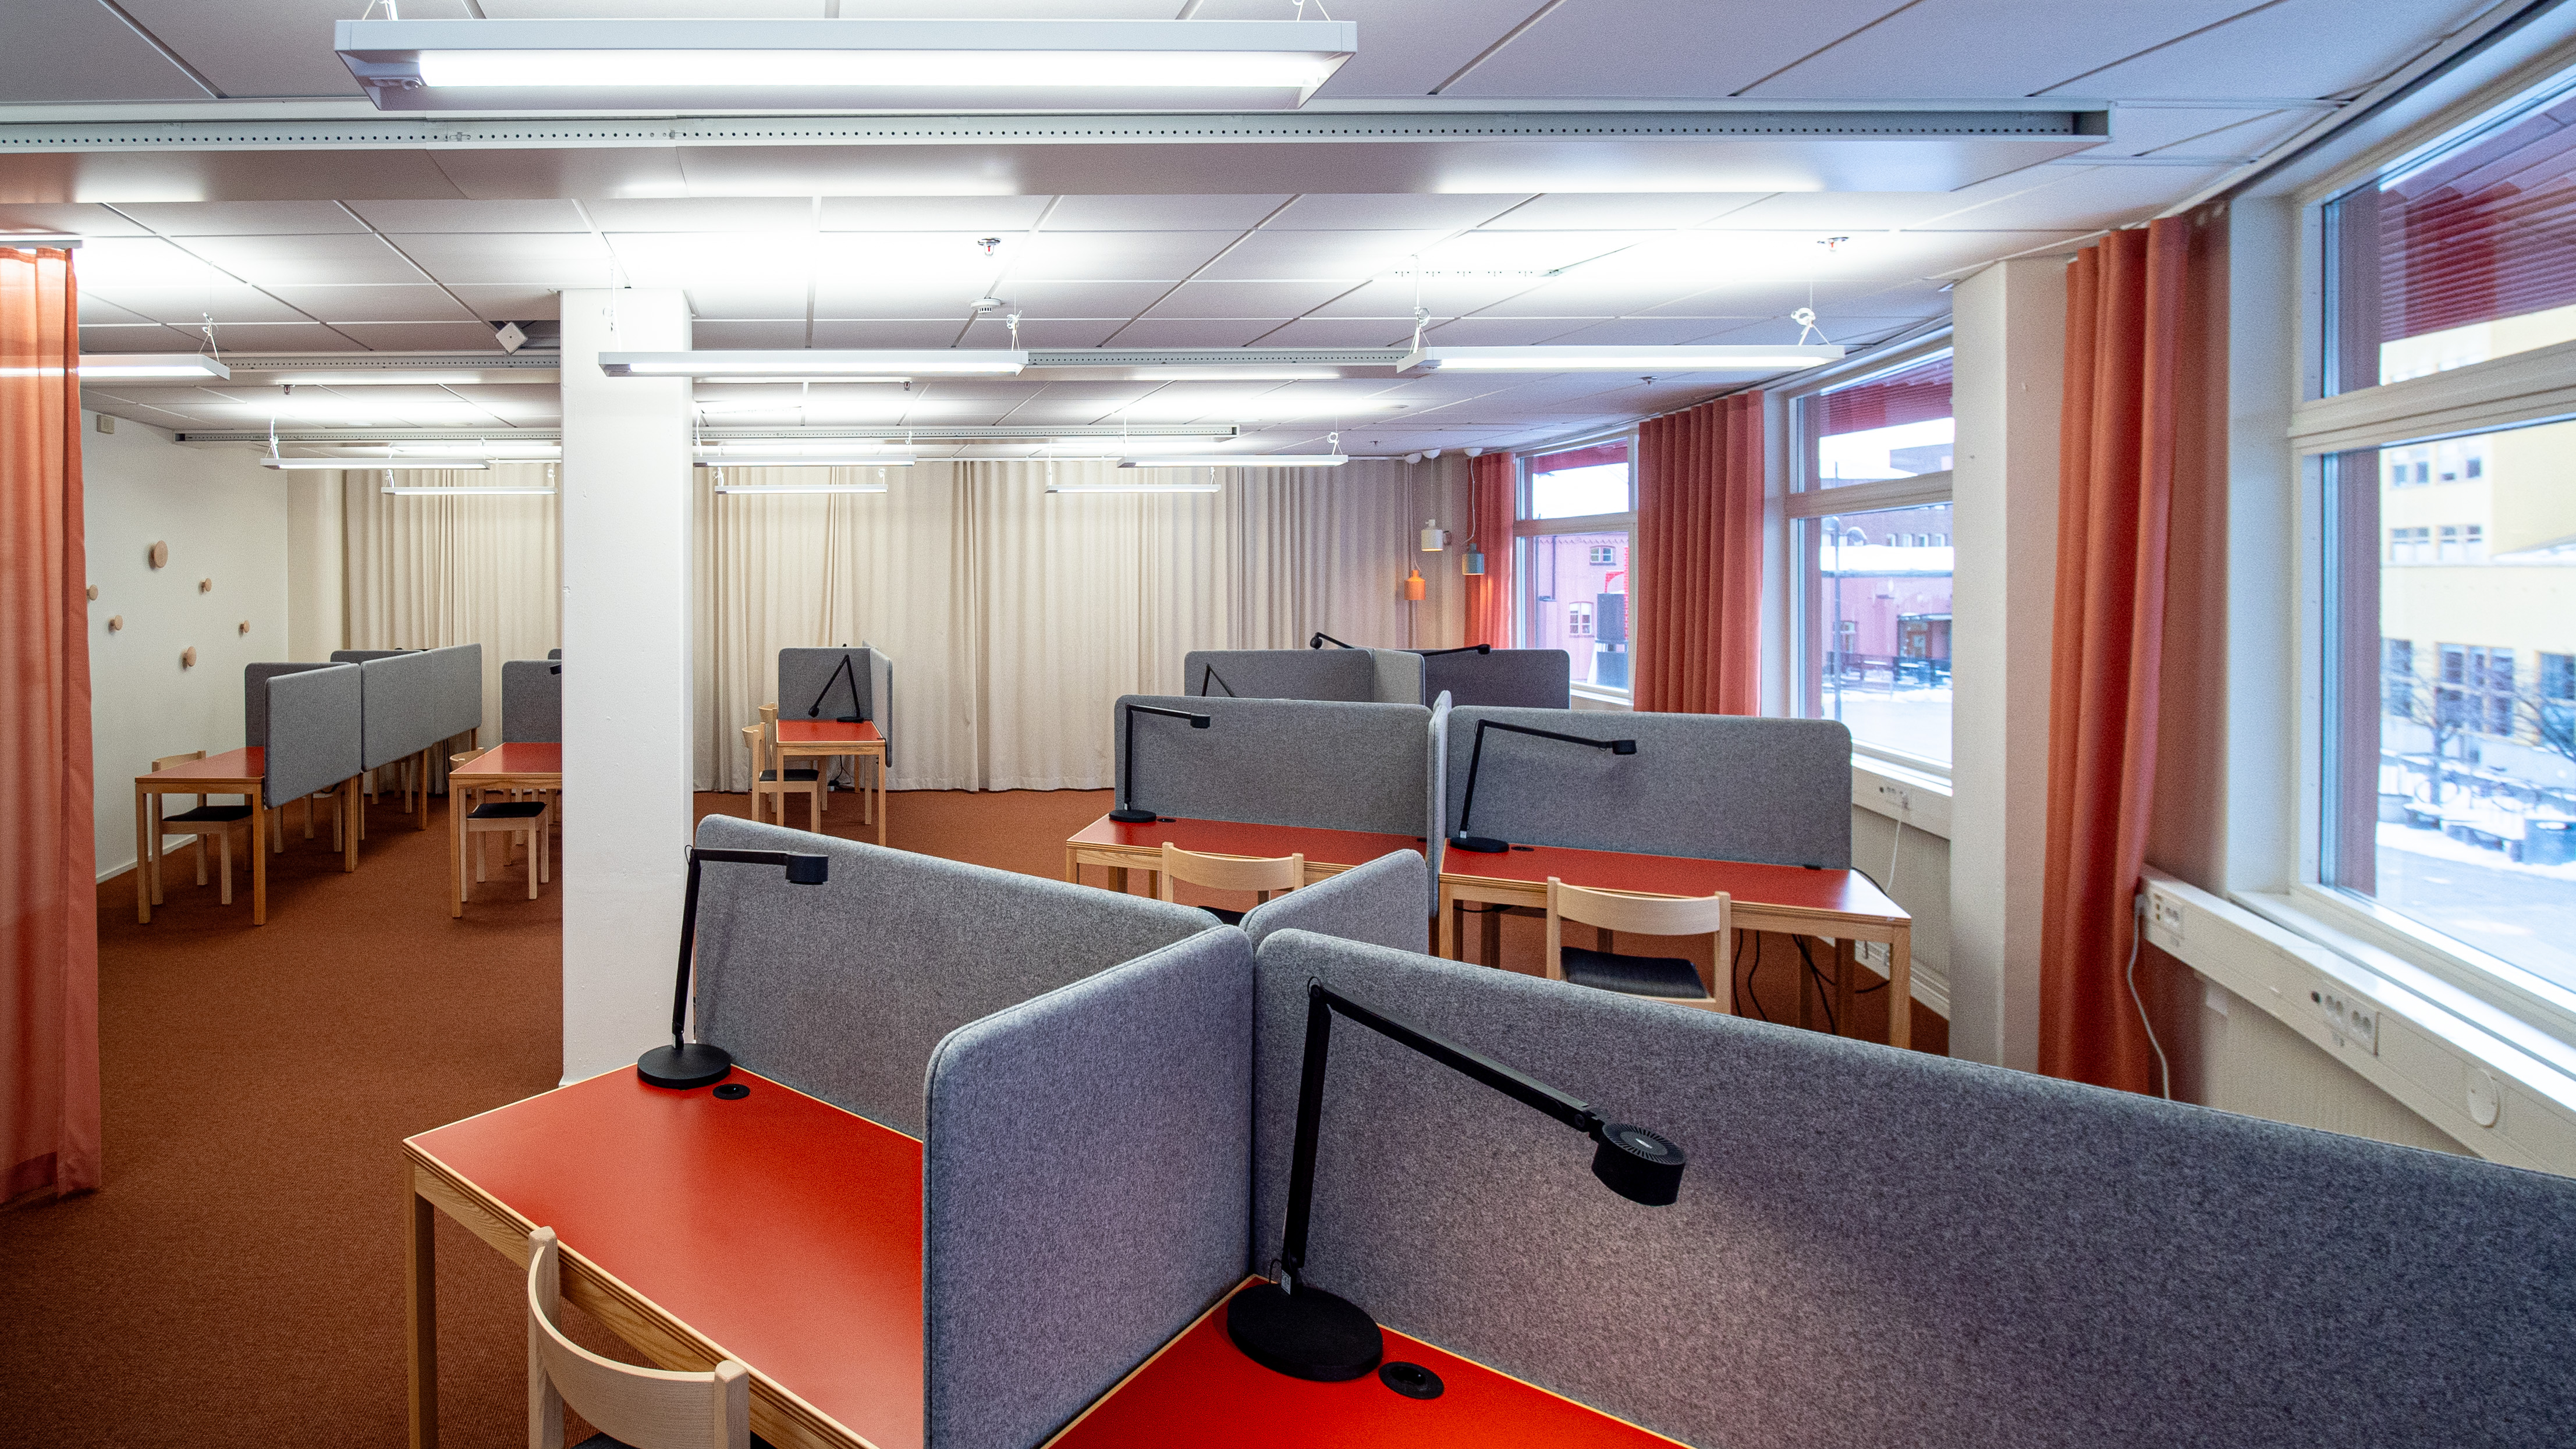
[1122, 847]
[776, 1229]
[826, 740]
[234, 772]
[1793, 900]
[521, 765]
[1199, 1391]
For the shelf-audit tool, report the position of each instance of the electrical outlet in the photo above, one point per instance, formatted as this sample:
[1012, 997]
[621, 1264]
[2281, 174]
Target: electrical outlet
[1898, 796]
[1873, 954]
[2349, 1019]
[2165, 914]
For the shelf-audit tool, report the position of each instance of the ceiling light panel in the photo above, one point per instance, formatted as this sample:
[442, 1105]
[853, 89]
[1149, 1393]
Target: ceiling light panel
[937, 65]
[145, 366]
[820, 364]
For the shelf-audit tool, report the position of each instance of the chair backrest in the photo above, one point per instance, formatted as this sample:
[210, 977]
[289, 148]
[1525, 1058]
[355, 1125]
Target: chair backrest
[1230, 872]
[166, 761]
[1645, 916]
[1379, 902]
[641, 1407]
[754, 740]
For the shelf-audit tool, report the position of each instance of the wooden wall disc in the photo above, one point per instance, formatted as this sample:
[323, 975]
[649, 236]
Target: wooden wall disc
[160, 554]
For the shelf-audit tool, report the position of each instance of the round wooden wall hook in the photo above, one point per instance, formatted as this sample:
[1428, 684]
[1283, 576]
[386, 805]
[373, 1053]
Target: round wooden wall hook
[160, 554]
[115, 622]
[93, 593]
[245, 626]
[188, 657]
[205, 586]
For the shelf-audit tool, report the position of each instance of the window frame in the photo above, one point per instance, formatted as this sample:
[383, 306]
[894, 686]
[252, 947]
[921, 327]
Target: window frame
[1801, 503]
[1525, 528]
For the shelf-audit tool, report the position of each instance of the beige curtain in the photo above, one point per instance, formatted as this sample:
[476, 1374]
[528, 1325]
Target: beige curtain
[426, 572]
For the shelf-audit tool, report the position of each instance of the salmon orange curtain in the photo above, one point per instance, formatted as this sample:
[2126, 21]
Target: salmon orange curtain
[2125, 303]
[1489, 598]
[1698, 595]
[49, 1118]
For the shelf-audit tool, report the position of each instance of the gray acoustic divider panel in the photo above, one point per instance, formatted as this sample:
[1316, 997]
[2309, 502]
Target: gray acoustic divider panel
[361, 656]
[1086, 1187]
[881, 700]
[803, 674]
[531, 701]
[1379, 902]
[1512, 678]
[255, 678]
[1282, 762]
[416, 699]
[554, 654]
[313, 740]
[1877, 1247]
[1715, 786]
[1397, 677]
[1345, 675]
[1435, 809]
[841, 990]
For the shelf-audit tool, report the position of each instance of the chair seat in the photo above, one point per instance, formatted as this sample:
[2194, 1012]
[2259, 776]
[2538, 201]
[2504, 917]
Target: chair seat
[509, 810]
[1665, 976]
[794, 777]
[208, 815]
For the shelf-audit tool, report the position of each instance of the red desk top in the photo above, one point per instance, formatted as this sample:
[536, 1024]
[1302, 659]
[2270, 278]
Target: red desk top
[250, 763]
[1227, 837]
[1201, 1391]
[519, 757]
[828, 732]
[1845, 891]
[783, 1229]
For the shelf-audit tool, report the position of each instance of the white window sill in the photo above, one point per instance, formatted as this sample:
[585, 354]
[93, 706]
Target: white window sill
[1589, 698]
[1918, 799]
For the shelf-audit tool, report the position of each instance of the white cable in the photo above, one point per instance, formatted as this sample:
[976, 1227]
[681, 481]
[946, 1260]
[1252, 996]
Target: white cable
[1891, 856]
[2138, 934]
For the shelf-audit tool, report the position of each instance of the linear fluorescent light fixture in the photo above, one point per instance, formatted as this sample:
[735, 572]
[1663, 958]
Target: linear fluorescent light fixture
[446, 465]
[461, 492]
[817, 364]
[800, 488]
[854, 460]
[113, 366]
[930, 65]
[1211, 486]
[1237, 460]
[1647, 360]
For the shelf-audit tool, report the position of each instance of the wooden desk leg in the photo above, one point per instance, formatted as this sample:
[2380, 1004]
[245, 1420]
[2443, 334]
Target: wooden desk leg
[1448, 946]
[349, 803]
[1489, 935]
[420, 1315]
[143, 863]
[881, 800]
[1072, 870]
[1900, 988]
[260, 818]
[456, 809]
[1118, 879]
[1806, 988]
[424, 789]
[1846, 963]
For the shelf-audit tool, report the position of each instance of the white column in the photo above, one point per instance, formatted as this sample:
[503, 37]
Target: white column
[627, 553]
[317, 569]
[2008, 362]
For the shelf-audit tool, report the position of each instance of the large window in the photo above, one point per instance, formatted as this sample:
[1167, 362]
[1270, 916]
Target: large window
[1578, 512]
[1871, 529]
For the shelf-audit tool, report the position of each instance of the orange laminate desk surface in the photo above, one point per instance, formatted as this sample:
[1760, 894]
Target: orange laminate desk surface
[1228, 837]
[521, 757]
[1846, 892]
[828, 732]
[780, 1227]
[250, 763]
[1201, 1392]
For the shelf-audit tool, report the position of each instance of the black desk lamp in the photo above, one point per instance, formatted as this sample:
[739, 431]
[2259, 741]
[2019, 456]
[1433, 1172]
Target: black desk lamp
[1459, 839]
[1321, 639]
[1461, 649]
[1210, 676]
[1306, 1333]
[696, 1063]
[1127, 813]
[844, 667]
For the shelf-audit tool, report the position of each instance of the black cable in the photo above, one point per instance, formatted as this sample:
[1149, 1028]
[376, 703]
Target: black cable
[1749, 993]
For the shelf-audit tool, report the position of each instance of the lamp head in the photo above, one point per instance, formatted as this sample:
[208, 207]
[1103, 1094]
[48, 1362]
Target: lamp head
[808, 869]
[1484, 648]
[1623, 747]
[1637, 1164]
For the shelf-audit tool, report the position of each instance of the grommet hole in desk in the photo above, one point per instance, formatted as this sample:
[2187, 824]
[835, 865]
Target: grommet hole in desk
[731, 1092]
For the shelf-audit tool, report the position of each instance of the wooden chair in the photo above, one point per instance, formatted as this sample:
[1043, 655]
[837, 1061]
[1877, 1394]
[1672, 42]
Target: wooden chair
[1260, 875]
[514, 818]
[200, 820]
[822, 791]
[634, 1408]
[767, 778]
[1660, 978]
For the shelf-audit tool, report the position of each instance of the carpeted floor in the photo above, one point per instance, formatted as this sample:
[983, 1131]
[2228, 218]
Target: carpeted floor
[239, 1280]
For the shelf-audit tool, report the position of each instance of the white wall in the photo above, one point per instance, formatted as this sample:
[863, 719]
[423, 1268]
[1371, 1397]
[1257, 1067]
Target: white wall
[224, 518]
[317, 565]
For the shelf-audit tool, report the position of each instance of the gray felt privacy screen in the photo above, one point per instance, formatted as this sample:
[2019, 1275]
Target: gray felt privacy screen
[1515, 678]
[1397, 677]
[841, 989]
[1282, 762]
[805, 674]
[1879, 1247]
[1380, 902]
[417, 698]
[1346, 675]
[1720, 787]
[1086, 1186]
[361, 656]
[255, 678]
[1435, 830]
[531, 701]
[312, 732]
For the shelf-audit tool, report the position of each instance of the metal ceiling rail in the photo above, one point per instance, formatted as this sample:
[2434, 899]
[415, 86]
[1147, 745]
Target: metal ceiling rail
[363, 362]
[503, 436]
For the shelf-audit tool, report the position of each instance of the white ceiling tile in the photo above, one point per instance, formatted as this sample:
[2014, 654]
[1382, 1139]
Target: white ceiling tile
[184, 306]
[77, 50]
[305, 260]
[977, 215]
[1846, 330]
[1035, 300]
[1046, 332]
[121, 262]
[705, 333]
[1640, 332]
[422, 302]
[1247, 299]
[283, 337]
[511, 303]
[1160, 213]
[1406, 46]
[150, 337]
[253, 47]
[1342, 332]
[2289, 48]
[1654, 49]
[1191, 332]
[945, 261]
[423, 337]
[652, 9]
[1442, 296]
[1113, 256]
[1952, 49]
[717, 214]
[749, 298]
[1284, 255]
[70, 218]
[530, 259]
[885, 334]
[1618, 211]
[242, 218]
[1391, 212]
[684, 259]
[99, 312]
[1502, 331]
[2079, 198]
[1824, 212]
[470, 216]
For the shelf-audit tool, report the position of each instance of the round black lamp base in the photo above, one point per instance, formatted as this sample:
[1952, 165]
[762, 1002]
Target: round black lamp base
[1481, 844]
[1129, 815]
[1309, 1334]
[693, 1065]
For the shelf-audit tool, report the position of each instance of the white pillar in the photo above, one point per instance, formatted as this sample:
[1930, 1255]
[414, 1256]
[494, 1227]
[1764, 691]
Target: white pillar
[627, 554]
[2008, 364]
[317, 570]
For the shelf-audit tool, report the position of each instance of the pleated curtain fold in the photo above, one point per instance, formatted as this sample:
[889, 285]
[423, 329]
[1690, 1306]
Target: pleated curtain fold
[1699, 559]
[49, 1096]
[1489, 531]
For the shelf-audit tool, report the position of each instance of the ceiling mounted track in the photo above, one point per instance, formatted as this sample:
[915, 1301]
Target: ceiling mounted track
[334, 437]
